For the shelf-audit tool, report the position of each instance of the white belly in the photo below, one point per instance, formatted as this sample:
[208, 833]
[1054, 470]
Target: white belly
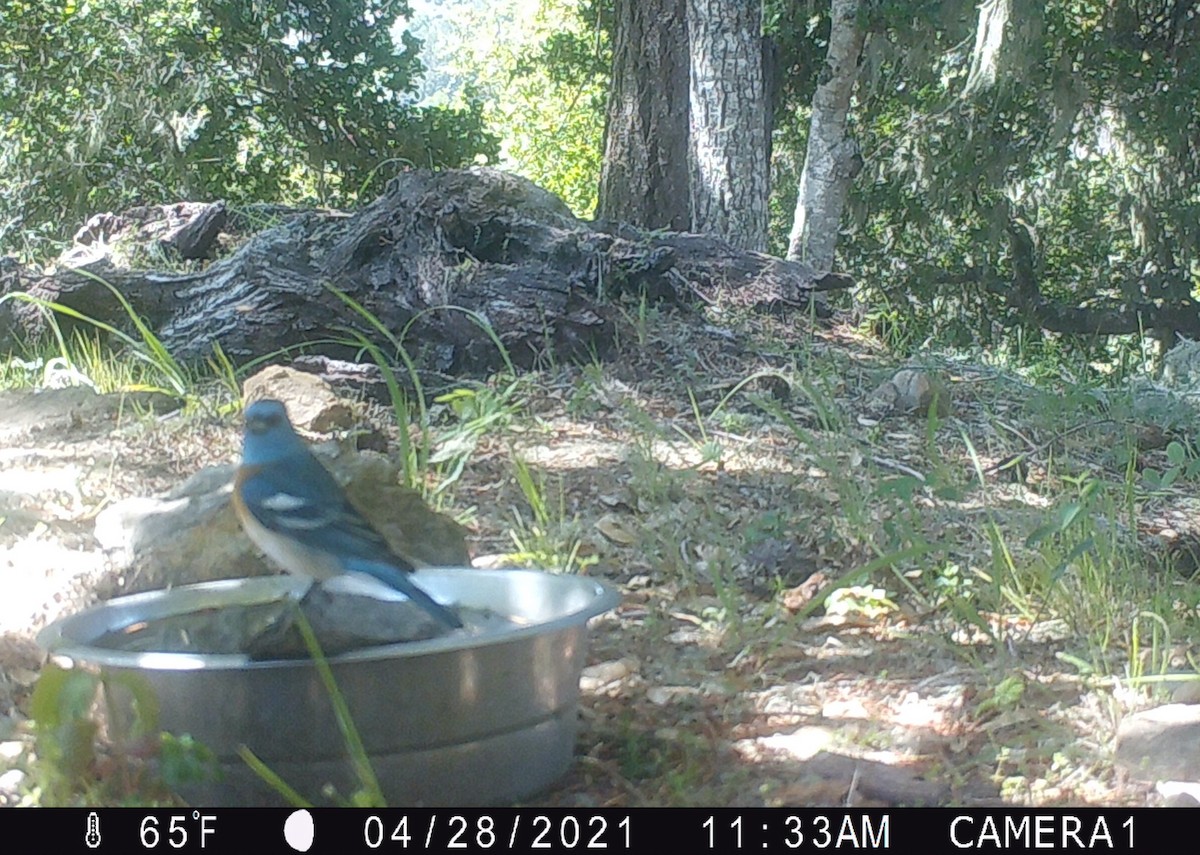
[292, 556]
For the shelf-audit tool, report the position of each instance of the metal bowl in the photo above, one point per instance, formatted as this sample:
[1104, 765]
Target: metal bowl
[458, 720]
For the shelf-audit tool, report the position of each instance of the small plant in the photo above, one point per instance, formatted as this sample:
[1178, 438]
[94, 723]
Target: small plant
[183, 761]
[1152, 654]
[708, 447]
[1181, 464]
[79, 759]
[418, 449]
[586, 399]
[66, 728]
[1007, 695]
[478, 411]
[642, 320]
[869, 601]
[226, 372]
[167, 374]
[545, 539]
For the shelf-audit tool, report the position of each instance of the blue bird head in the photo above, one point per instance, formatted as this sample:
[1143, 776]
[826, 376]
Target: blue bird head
[269, 436]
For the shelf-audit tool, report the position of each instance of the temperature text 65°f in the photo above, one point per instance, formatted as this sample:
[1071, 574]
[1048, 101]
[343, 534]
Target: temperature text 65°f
[177, 830]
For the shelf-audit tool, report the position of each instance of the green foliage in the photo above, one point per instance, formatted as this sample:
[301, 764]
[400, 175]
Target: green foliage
[432, 462]
[541, 73]
[85, 361]
[477, 412]
[105, 104]
[1180, 464]
[548, 538]
[68, 722]
[183, 761]
[1088, 134]
[66, 730]
[1006, 696]
[553, 118]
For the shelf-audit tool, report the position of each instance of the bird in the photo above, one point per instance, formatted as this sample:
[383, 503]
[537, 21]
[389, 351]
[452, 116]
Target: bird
[298, 515]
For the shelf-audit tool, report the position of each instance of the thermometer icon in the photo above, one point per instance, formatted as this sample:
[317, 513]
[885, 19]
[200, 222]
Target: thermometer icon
[92, 838]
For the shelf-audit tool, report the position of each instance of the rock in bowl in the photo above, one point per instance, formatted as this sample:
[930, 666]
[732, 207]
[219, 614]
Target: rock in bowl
[466, 719]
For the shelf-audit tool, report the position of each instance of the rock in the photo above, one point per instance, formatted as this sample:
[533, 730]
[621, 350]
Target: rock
[1181, 366]
[342, 623]
[910, 390]
[1182, 686]
[311, 403]
[191, 534]
[11, 783]
[1179, 793]
[188, 535]
[662, 696]
[1170, 407]
[1161, 744]
[606, 675]
[364, 379]
[425, 537]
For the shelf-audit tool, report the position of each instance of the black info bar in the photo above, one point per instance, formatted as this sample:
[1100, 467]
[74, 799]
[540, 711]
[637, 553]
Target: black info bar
[637, 830]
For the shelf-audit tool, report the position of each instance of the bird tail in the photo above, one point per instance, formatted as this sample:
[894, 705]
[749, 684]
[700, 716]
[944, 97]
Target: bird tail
[439, 612]
[401, 581]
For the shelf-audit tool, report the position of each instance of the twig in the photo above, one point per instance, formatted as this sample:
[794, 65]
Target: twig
[888, 463]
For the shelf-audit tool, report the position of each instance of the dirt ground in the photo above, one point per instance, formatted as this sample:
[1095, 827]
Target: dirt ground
[709, 685]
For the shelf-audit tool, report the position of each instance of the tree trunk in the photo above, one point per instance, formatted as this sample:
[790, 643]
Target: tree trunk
[994, 16]
[644, 177]
[832, 160]
[727, 152]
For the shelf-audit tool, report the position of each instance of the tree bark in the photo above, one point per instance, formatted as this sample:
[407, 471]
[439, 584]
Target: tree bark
[994, 16]
[437, 252]
[832, 160]
[644, 175]
[730, 175]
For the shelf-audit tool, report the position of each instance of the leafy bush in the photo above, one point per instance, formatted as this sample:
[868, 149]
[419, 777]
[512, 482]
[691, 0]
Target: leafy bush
[106, 104]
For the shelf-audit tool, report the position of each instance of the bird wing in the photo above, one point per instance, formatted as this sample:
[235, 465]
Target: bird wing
[301, 499]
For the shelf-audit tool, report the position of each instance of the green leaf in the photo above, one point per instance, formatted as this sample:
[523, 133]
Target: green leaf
[903, 486]
[183, 761]
[1061, 521]
[61, 709]
[143, 700]
[62, 695]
